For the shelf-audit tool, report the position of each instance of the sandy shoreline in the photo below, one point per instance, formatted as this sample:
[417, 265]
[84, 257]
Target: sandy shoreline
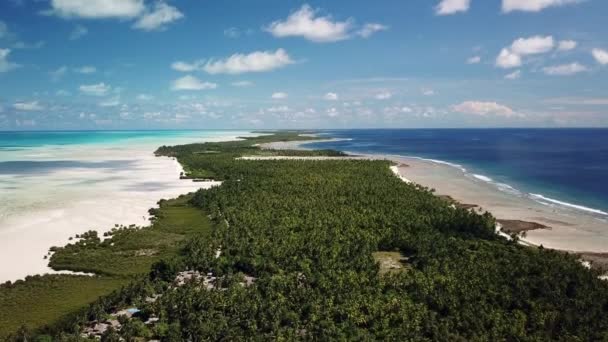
[550, 225]
[103, 185]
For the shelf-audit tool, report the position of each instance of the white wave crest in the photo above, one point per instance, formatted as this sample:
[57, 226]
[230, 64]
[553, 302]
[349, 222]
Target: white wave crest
[541, 198]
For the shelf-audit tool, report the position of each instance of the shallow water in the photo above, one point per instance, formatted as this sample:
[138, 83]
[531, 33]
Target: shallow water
[54, 185]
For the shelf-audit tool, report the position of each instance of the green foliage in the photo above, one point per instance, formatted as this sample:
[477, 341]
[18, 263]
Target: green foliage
[308, 232]
[40, 300]
[131, 250]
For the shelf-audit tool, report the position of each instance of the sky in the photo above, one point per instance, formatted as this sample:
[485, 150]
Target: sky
[203, 64]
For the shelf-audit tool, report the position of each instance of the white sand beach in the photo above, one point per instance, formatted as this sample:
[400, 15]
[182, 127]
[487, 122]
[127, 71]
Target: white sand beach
[91, 187]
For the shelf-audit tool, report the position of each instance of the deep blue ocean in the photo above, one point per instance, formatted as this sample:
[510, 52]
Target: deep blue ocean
[566, 165]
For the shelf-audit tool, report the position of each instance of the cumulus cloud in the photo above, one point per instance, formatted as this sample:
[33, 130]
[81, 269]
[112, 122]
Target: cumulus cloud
[305, 23]
[190, 82]
[566, 45]
[97, 9]
[514, 75]
[484, 108]
[5, 64]
[507, 59]
[532, 45]
[370, 29]
[511, 57]
[474, 60]
[601, 56]
[147, 18]
[533, 5]
[33, 106]
[447, 7]
[565, 69]
[279, 96]
[78, 32]
[158, 18]
[259, 61]
[99, 89]
[331, 97]
[384, 96]
[86, 70]
[308, 24]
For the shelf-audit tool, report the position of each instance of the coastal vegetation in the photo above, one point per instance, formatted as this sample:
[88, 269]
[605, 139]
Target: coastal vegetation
[327, 250]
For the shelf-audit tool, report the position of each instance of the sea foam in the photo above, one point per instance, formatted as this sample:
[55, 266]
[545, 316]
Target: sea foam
[541, 198]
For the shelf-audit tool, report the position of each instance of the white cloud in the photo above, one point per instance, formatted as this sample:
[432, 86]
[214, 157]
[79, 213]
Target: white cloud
[258, 61]
[99, 89]
[305, 23]
[427, 92]
[384, 96]
[96, 9]
[331, 97]
[370, 29]
[33, 106]
[601, 56]
[565, 69]
[484, 108]
[533, 5]
[87, 69]
[158, 18]
[242, 84]
[145, 97]
[111, 102]
[279, 96]
[566, 45]
[511, 57]
[514, 75]
[447, 7]
[532, 45]
[187, 67]
[78, 32]
[474, 60]
[281, 109]
[332, 112]
[5, 64]
[507, 59]
[189, 82]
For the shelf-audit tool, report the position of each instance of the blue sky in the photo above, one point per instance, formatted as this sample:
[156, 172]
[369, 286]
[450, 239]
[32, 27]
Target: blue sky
[140, 64]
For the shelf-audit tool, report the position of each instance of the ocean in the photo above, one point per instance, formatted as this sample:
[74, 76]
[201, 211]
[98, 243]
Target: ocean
[54, 185]
[563, 167]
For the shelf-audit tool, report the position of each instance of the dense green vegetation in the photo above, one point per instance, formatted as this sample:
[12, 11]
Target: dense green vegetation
[131, 250]
[127, 253]
[41, 300]
[311, 232]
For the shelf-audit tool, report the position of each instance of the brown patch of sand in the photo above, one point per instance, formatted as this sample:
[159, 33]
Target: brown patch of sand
[451, 200]
[518, 226]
